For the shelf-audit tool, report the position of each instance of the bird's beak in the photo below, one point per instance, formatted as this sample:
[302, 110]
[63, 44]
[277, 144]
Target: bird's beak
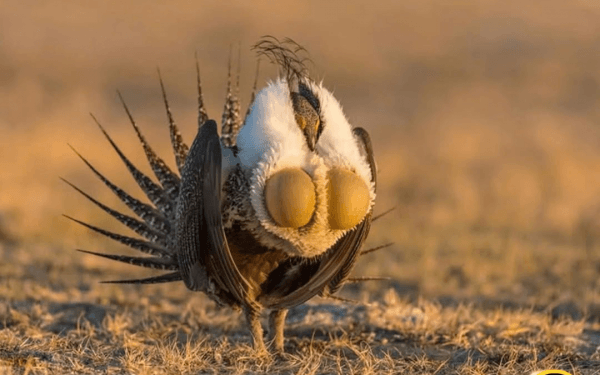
[311, 133]
[307, 118]
[310, 130]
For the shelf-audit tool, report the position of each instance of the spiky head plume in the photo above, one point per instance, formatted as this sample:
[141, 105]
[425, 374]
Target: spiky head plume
[287, 55]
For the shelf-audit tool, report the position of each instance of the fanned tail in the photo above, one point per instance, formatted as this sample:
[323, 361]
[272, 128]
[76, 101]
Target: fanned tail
[158, 219]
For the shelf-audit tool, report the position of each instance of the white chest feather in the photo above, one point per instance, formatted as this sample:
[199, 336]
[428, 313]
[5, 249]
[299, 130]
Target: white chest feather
[271, 141]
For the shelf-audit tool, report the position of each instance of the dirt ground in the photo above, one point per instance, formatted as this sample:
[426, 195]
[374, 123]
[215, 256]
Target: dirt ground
[485, 122]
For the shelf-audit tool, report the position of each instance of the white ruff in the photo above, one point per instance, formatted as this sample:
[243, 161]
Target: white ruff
[337, 145]
[270, 124]
[271, 140]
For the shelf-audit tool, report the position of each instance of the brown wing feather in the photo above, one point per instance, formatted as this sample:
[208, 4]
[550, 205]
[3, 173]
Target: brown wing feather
[338, 280]
[191, 241]
[221, 265]
[204, 254]
[336, 261]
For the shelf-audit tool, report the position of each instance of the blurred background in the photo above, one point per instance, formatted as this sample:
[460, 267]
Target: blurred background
[485, 118]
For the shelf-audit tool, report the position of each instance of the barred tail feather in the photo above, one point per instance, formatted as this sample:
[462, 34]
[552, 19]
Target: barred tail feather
[379, 216]
[149, 214]
[166, 177]
[137, 226]
[135, 243]
[373, 249]
[230, 123]
[180, 149]
[154, 192]
[354, 280]
[237, 77]
[253, 94]
[202, 114]
[166, 278]
[341, 299]
[147, 262]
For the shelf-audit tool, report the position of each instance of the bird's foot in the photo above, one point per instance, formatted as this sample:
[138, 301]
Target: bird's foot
[275, 335]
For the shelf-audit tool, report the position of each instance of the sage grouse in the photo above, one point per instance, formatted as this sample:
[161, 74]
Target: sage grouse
[266, 216]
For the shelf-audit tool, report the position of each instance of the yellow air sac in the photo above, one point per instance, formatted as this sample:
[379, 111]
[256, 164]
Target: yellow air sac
[290, 198]
[348, 198]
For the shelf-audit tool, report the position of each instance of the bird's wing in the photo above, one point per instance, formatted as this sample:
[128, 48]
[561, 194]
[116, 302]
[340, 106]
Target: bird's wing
[328, 270]
[367, 150]
[335, 264]
[357, 238]
[203, 251]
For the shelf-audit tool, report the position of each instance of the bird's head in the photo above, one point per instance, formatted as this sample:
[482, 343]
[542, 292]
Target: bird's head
[306, 112]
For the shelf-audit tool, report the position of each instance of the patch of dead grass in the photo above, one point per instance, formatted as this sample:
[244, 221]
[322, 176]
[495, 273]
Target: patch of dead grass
[389, 335]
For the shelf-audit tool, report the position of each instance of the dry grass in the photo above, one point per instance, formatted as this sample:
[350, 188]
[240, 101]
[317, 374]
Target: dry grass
[162, 333]
[485, 120]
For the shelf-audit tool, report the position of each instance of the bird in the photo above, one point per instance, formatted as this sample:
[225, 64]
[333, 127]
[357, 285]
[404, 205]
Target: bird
[267, 215]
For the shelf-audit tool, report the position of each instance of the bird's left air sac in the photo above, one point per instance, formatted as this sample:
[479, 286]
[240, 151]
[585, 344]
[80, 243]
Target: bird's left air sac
[290, 198]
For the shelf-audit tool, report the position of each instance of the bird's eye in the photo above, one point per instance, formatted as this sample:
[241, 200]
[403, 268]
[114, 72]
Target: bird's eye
[348, 197]
[290, 197]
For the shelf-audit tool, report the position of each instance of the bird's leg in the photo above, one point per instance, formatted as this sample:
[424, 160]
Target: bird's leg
[253, 319]
[276, 324]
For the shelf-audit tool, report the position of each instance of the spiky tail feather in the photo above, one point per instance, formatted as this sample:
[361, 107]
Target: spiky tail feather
[231, 121]
[157, 220]
[166, 278]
